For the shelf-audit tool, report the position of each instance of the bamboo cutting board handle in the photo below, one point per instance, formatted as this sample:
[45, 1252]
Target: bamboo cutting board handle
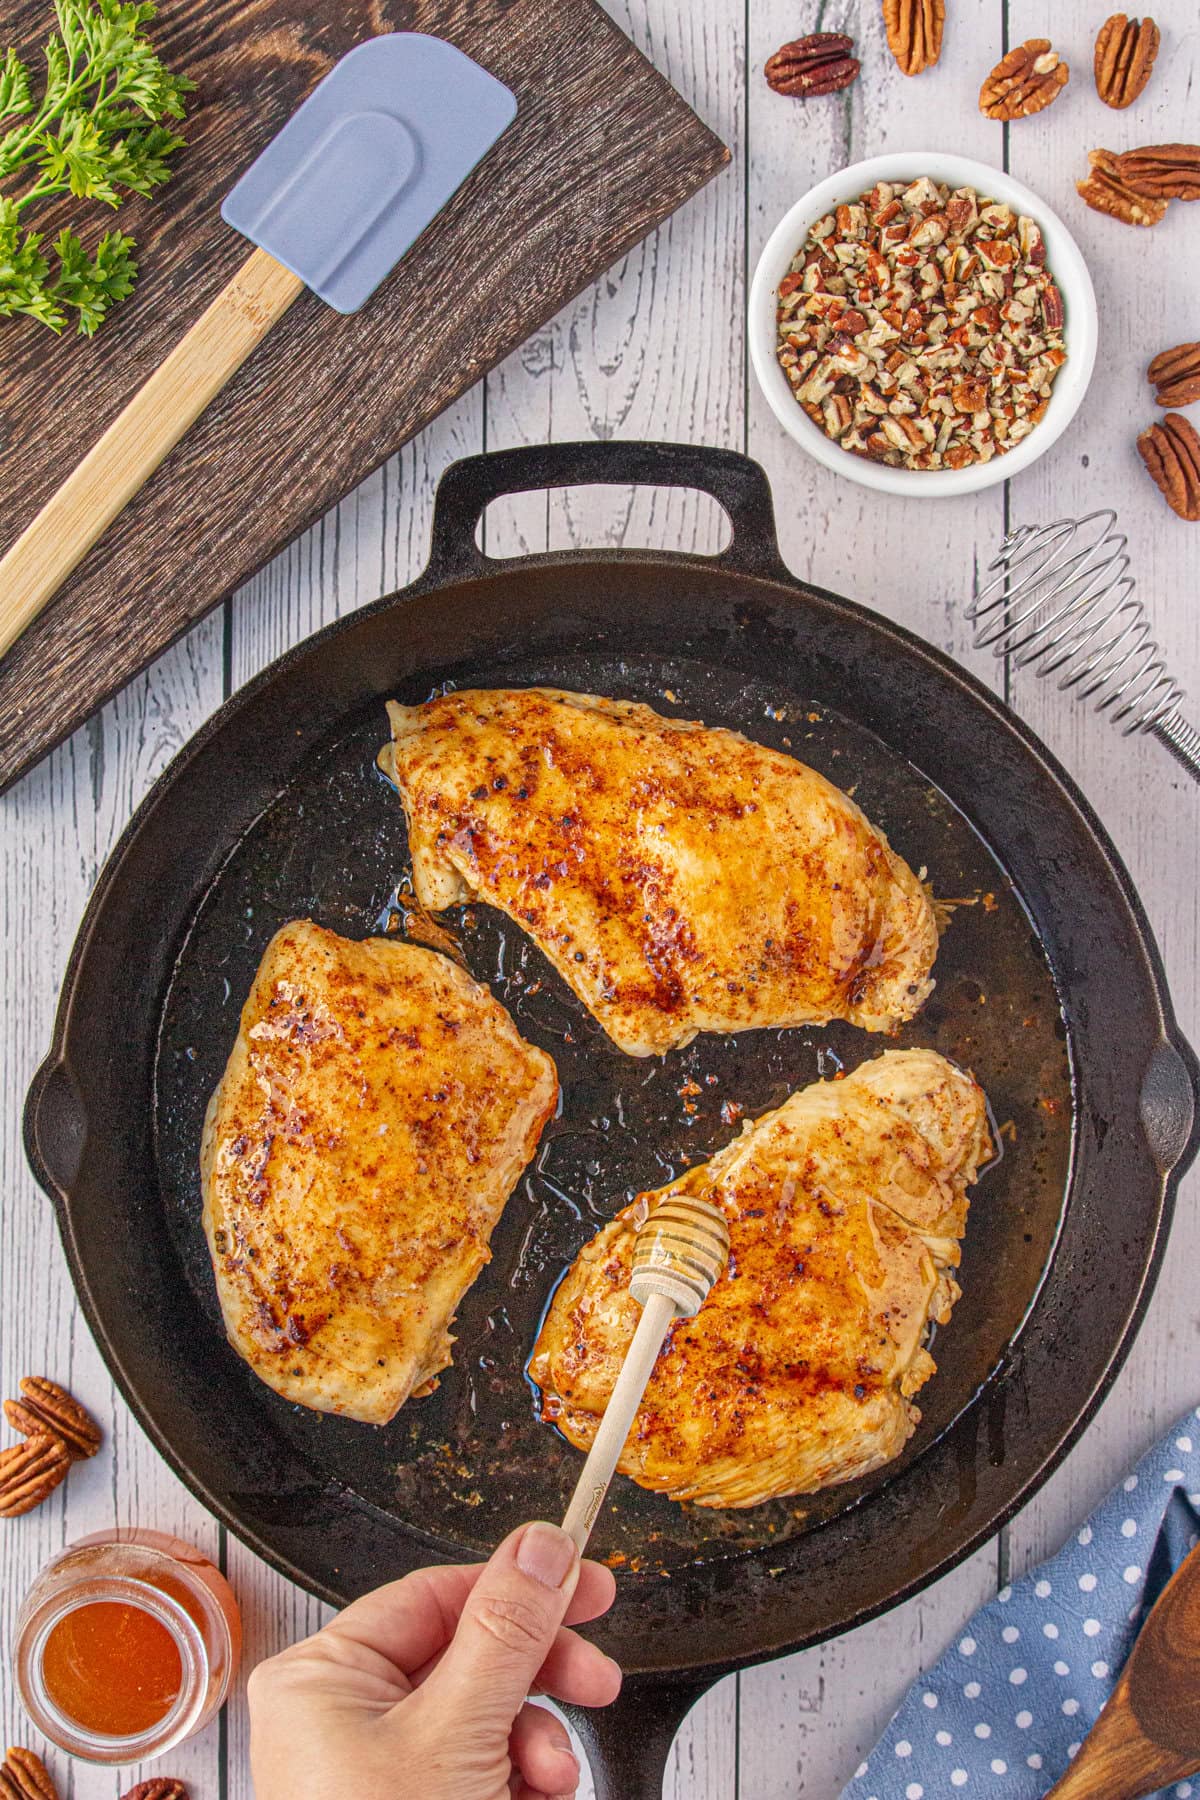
[152, 423]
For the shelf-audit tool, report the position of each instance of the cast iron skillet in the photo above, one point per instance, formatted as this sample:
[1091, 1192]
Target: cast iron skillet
[1049, 986]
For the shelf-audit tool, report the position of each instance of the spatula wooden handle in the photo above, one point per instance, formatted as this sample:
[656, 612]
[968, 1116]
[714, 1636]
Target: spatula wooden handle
[136, 442]
[619, 1415]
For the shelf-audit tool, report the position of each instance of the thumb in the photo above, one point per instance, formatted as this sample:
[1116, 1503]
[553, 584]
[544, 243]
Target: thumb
[507, 1626]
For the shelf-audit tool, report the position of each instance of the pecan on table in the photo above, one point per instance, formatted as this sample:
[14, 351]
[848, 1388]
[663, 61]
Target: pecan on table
[914, 32]
[24, 1776]
[1163, 171]
[45, 1406]
[1125, 53]
[159, 1787]
[29, 1474]
[1107, 190]
[1176, 375]
[1024, 81]
[1171, 452]
[818, 64]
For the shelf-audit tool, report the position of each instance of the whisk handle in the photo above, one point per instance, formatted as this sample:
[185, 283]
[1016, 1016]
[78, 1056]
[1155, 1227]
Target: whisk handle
[1182, 740]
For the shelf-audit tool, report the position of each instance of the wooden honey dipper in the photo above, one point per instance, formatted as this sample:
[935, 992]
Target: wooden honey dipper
[680, 1250]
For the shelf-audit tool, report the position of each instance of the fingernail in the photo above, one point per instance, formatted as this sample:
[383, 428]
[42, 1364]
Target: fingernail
[547, 1554]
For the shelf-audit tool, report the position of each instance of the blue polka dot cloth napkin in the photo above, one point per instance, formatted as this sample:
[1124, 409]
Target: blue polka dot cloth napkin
[1014, 1696]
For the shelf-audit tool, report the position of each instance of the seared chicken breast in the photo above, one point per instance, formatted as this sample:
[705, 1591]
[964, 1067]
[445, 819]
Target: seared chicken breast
[375, 1114]
[680, 878]
[845, 1210]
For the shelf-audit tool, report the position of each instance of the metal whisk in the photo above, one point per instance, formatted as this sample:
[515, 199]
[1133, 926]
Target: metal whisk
[1068, 609]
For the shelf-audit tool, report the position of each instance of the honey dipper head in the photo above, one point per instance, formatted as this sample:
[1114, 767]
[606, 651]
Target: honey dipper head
[680, 1251]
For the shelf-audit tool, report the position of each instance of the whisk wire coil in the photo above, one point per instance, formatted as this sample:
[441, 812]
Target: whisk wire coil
[1060, 600]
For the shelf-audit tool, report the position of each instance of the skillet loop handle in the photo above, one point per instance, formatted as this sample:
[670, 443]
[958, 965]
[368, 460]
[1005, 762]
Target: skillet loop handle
[1168, 1105]
[734, 481]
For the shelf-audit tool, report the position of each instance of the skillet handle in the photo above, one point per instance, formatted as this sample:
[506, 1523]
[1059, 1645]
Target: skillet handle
[733, 480]
[1170, 1104]
[55, 1128]
[628, 1744]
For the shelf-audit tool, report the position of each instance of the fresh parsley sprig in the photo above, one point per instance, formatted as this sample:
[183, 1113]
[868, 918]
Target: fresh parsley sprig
[97, 132]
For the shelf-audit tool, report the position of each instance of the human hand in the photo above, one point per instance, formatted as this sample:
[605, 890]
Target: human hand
[419, 1691]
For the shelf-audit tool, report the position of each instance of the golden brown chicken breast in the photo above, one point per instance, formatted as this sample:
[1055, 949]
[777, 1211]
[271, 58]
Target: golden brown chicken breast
[845, 1210]
[375, 1114]
[680, 878]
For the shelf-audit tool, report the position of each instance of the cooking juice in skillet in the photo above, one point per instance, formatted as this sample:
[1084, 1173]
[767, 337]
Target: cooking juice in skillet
[472, 1460]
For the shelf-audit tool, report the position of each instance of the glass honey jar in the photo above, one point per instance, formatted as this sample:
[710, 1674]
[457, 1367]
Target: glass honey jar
[126, 1644]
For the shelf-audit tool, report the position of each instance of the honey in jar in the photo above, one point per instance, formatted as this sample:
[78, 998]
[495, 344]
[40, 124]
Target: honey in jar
[126, 1644]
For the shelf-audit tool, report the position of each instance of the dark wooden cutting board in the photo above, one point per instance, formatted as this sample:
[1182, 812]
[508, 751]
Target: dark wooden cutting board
[602, 149]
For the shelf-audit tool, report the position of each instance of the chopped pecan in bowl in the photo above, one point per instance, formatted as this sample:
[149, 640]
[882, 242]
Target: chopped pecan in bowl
[920, 327]
[954, 176]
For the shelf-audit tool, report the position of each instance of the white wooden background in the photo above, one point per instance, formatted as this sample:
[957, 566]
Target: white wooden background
[656, 349]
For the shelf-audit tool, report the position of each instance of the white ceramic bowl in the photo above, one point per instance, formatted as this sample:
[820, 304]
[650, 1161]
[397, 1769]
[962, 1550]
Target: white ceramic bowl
[1063, 259]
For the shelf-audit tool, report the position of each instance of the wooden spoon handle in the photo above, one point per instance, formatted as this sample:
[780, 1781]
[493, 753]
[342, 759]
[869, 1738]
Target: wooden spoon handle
[139, 438]
[619, 1415]
[1120, 1772]
[1118, 1761]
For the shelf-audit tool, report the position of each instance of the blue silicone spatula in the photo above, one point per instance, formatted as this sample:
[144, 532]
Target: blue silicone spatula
[331, 204]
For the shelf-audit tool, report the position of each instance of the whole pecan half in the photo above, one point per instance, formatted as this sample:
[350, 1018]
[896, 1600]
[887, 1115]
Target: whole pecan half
[24, 1776]
[818, 64]
[45, 1406]
[1106, 190]
[160, 1787]
[1125, 53]
[914, 32]
[29, 1474]
[1171, 452]
[1024, 81]
[1176, 375]
[1164, 171]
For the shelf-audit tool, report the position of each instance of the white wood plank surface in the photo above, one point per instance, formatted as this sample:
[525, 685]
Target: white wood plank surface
[656, 349]
[1145, 285]
[58, 828]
